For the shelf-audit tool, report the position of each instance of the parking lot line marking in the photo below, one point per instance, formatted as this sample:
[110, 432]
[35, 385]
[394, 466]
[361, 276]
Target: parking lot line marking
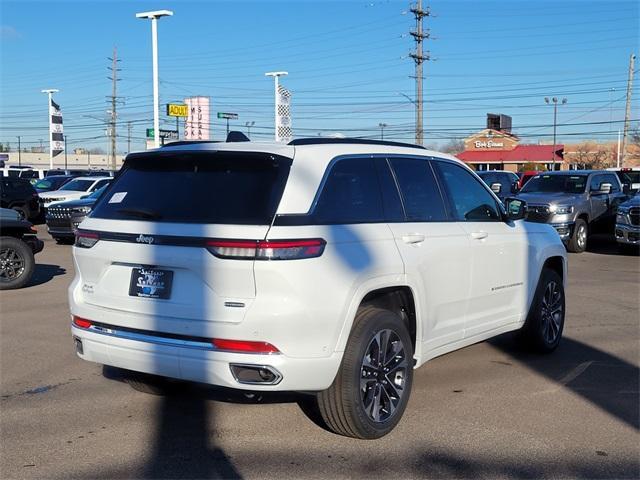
[575, 373]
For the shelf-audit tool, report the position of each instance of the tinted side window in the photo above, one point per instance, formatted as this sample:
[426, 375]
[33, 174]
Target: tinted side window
[596, 181]
[613, 180]
[351, 193]
[391, 203]
[469, 200]
[420, 193]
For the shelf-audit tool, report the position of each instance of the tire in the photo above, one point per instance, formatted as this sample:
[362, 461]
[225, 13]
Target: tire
[16, 263]
[578, 241]
[543, 328]
[24, 214]
[151, 384]
[369, 411]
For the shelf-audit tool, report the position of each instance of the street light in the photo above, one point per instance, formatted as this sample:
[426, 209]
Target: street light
[382, 127]
[275, 76]
[154, 16]
[249, 125]
[554, 100]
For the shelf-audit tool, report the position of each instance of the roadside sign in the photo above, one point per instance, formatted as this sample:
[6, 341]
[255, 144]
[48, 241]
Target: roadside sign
[177, 110]
[228, 116]
[166, 134]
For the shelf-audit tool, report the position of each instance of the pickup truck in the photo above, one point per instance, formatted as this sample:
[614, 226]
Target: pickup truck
[576, 203]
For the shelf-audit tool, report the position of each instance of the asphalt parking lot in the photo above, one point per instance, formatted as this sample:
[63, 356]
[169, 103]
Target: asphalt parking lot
[488, 410]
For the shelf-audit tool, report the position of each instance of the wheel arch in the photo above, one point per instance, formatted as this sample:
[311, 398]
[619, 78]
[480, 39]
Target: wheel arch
[396, 297]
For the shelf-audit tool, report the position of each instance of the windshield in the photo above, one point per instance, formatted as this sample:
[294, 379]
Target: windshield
[629, 177]
[556, 183]
[188, 187]
[78, 185]
[98, 192]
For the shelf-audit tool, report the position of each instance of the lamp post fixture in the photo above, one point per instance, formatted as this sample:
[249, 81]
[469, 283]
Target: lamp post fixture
[275, 76]
[249, 125]
[382, 127]
[554, 100]
[154, 16]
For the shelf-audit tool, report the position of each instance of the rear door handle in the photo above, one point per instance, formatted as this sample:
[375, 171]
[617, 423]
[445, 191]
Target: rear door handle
[413, 238]
[479, 235]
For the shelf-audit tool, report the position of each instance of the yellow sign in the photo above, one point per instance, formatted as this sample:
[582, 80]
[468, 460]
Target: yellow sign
[177, 110]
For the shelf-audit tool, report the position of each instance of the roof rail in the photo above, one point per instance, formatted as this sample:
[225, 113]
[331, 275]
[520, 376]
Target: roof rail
[361, 141]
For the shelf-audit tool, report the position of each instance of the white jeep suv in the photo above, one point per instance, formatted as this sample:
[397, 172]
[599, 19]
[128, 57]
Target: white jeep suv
[332, 267]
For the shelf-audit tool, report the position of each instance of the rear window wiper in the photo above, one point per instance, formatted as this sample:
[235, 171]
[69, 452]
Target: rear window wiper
[140, 212]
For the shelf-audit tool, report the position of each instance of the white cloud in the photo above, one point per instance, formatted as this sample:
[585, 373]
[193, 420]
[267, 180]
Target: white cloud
[7, 32]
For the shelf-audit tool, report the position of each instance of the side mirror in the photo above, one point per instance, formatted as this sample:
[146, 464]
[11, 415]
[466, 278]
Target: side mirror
[516, 209]
[605, 189]
[514, 187]
[496, 188]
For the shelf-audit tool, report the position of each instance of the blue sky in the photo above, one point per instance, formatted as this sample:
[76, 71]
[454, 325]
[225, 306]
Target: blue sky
[347, 64]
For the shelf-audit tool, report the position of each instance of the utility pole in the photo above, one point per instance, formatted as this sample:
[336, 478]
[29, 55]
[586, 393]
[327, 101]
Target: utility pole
[419, 36]
[112, 124]
[627, 113]
[129, 137]
[19, 152]
[65, 151]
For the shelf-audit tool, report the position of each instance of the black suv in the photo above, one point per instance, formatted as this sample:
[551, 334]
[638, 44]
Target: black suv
[19, 195]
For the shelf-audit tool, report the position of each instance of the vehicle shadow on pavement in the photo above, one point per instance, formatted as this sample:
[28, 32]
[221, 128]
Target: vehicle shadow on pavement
[45, 272]
[607, 245]
[608, 382]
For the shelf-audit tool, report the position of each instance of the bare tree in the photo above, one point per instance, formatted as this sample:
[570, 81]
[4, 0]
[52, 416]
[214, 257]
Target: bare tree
[591, 155]
[453, 147]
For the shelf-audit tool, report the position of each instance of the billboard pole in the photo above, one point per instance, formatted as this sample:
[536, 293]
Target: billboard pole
[50, 93]
[275, 76]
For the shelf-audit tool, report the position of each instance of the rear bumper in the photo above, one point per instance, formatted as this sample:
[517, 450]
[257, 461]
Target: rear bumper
[627, 234]
[199, 363]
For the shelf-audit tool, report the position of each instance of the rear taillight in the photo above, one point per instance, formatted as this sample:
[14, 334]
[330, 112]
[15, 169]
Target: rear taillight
[267, 249]
[81, 322]
[244, 346]
[86, 239]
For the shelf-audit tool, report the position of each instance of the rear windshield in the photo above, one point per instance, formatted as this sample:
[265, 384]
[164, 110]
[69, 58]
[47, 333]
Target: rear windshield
[78, 185]
[556, 183]
[197, 187]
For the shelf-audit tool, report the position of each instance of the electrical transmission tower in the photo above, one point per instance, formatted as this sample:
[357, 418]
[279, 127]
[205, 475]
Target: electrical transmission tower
[114, 101]
[419, 35]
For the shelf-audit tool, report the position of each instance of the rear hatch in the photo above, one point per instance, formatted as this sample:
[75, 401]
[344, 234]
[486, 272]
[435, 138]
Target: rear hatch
[153, 242]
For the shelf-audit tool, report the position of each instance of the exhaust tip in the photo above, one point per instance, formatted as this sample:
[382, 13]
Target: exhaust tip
[249, 374]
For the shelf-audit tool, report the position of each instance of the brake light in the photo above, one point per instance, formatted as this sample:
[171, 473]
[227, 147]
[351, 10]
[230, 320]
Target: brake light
[86, 239]
[244, 346]
[267, 249]
[81, 322]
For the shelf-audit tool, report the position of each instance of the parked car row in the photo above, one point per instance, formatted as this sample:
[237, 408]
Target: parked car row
[577, 203]
[18, 245]
[35, 174]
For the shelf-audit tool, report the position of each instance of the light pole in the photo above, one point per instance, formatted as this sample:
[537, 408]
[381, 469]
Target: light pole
[154, 16]
[50, 92]
[275, 76]
[65, 151]
[249, 125]
[554, 100]
[382, 127]
[19, 153]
